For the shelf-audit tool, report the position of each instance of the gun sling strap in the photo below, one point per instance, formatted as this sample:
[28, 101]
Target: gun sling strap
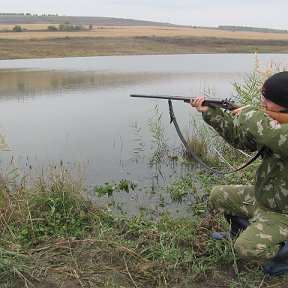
[193, 154]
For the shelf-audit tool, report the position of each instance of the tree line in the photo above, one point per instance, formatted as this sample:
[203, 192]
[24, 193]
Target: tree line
[251, 29]
[26, 14]
[62, 27]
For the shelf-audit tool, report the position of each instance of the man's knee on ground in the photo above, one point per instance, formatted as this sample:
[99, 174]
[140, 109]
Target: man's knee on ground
[251, 251]
[216, 196]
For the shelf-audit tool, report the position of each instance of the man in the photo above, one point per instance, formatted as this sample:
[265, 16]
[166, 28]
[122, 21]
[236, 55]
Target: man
[265, 204]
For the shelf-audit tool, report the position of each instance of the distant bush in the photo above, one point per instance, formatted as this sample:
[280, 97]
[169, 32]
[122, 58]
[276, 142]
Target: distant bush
[67, 27]
[52, 28]
[17, 28]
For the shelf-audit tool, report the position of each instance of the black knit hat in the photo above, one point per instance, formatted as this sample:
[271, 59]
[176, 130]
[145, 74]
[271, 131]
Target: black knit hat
[275, 88]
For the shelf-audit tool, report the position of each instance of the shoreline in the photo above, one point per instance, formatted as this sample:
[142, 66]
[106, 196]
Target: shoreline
[138, 45]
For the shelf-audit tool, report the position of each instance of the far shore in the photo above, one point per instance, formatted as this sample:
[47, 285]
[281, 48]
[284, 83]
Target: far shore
[107, 41]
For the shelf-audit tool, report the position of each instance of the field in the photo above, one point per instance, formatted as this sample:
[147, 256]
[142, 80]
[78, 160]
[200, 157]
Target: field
[36, 42]
[37, 31]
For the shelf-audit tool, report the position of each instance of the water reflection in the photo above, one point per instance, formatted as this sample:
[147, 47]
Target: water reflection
[17, 83]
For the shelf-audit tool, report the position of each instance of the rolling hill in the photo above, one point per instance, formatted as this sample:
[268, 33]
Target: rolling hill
[18, 19]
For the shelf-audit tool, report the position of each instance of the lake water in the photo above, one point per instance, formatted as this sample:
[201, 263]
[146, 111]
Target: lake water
[78, 110]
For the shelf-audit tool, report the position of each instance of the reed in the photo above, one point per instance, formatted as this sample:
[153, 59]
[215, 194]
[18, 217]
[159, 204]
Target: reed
[248, 89]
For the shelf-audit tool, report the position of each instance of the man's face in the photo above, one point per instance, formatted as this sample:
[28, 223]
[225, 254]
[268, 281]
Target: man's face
[271, 106]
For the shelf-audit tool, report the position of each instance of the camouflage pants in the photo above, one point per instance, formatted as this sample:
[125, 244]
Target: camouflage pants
[267, 229]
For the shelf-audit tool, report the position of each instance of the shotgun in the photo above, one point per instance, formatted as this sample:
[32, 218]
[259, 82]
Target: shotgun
[217, 103]
[281, 117]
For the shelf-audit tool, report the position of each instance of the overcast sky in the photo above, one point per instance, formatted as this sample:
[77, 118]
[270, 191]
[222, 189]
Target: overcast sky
[254, 13]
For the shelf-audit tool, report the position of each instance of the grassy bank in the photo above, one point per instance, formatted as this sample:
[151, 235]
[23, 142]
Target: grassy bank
[82, 47]
[53, 236]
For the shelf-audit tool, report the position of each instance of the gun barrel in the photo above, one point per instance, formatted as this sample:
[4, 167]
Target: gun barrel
[181, 98]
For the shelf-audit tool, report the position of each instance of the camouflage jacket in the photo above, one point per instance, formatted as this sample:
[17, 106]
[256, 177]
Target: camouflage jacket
[250, 131]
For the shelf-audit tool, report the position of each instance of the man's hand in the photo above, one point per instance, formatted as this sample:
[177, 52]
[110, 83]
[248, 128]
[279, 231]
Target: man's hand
[198, 104]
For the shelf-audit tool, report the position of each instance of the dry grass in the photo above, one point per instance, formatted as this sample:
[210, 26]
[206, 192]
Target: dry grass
[133, 31]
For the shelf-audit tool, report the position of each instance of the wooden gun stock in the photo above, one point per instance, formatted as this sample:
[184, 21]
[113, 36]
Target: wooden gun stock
[281, 117]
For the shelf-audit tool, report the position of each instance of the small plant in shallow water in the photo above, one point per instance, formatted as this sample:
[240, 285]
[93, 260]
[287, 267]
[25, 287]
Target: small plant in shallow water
[157, 131]
[180, 188]
[186, 186]
[109, 188]
[138, 151]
